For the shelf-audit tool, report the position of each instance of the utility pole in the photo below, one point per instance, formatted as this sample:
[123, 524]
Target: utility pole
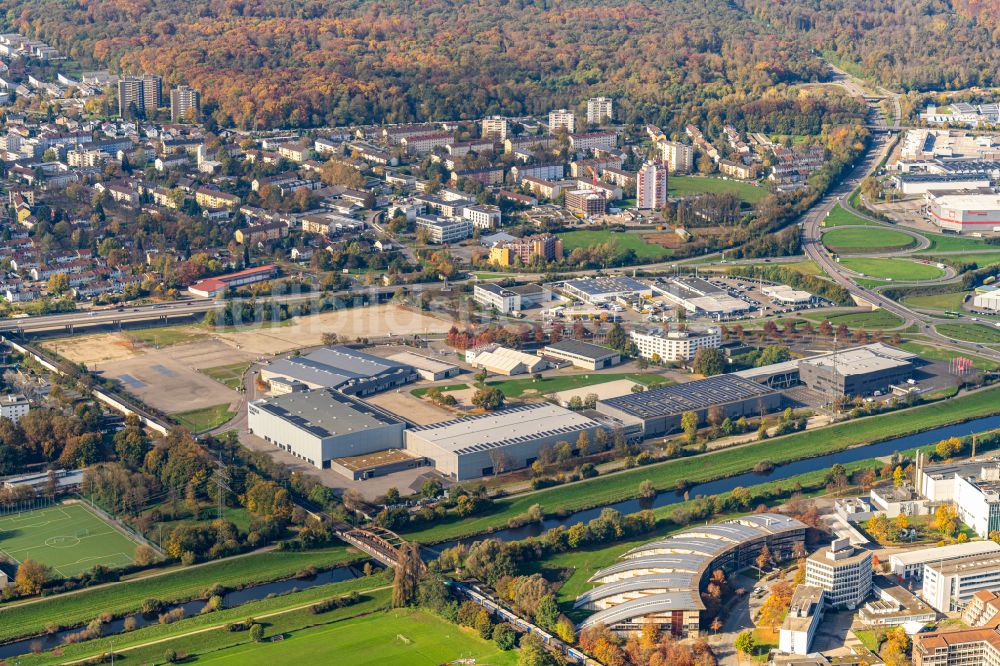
[221, 480]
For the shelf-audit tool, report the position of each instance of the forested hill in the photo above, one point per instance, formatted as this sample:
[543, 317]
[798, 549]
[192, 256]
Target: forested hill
[308, 63]
[912, 45]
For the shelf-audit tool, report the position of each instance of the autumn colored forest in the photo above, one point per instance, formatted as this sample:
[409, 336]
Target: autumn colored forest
[333, 62]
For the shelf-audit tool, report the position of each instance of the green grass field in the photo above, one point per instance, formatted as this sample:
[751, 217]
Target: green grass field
[206, 418]
[987, 335]
[980, 259]
[625, 241]
[67, 537]
[180, 584]
[517, 388]
[839, 217]
[230, 375]
[933, 353]
[902, 270]
[866, 319]
[686, 185]
[949, 243]
[951, 300]
[871, 239]
[164, 336]
[401, 637]
[727, 462]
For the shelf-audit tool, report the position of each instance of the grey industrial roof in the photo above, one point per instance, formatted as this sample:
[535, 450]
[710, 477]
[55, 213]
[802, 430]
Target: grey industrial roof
[673, 581]
[325, 412]
[681, 562]
[699, 545]
[607, 285]
[585, 349]
[330, 367]
[654, 603]
[690, 396]
[870, 358]
[941, 177]
[503, 428]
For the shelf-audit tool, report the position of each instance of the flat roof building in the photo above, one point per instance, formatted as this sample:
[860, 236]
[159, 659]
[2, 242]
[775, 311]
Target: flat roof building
[949, 586]
[430, 369]
[583, 354]
[470, 448]
[345, 369]
[660, 582]
[843, 571]
[318, 426]
[804, 616]
[659, 411]
[966, 212]
[497, 298]
[894, 606]
[669, 346]
[603, 289]
[859, 371]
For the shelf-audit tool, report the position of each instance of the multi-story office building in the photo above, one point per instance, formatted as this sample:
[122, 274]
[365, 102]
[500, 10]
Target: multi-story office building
[599, 109]
[13, 406]
[949, 586]
[651, 186]
[185, 103]
[845, 573]
[561, 119]
[497, 298]
[442, 230]
[672, 346]
[679, 157]
[139, 96]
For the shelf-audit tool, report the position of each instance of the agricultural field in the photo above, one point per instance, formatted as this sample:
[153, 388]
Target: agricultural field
[951, 300]
[70, 538]
[868, 240]
[901, 270]
[403, 637]
[839, 217]
[625, 241]
[872, 319]
[230, 375]
[688, 185]
[206, 418]
[987, 335]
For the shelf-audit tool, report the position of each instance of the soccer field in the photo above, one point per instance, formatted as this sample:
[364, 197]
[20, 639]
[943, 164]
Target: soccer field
[70, 538]
[398, 637]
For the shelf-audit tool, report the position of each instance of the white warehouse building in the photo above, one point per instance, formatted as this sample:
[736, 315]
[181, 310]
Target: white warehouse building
[318, 426]
[469, 448]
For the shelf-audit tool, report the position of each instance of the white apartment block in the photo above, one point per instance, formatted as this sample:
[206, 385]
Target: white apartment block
[13, 406]
[599, 109]
[495, 127]
[561, 119]
[678, 157]
[482, 216]
[594, 141]
[845, 574]
[651, 186]
[676, 345]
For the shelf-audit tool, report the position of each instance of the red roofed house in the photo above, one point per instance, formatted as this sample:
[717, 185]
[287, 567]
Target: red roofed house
[213, 286]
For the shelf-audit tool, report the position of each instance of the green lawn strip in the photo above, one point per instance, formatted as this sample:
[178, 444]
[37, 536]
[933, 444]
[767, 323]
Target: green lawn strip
[896, 269]
[420, 392]
[951, 300]
[980, 259]
[856, 241]
[180, 585]
[935, 353]
[231, 375]
[840, 217]
[870, 319]
[516, 388]
[989, 335]
[952, 243]
[728, 462]
[206, 418]
[213, 639]
[687, 185]
[402, 637]
[625, 241]
[165, 336]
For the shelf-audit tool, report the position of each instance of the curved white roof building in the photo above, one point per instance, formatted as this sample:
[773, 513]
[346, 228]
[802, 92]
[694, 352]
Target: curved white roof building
[660, 582]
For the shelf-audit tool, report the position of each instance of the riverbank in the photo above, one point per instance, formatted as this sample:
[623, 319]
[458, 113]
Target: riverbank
[624, 485]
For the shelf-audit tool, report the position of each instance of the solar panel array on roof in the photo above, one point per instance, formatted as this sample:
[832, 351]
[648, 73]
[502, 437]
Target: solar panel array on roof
[691, 396]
